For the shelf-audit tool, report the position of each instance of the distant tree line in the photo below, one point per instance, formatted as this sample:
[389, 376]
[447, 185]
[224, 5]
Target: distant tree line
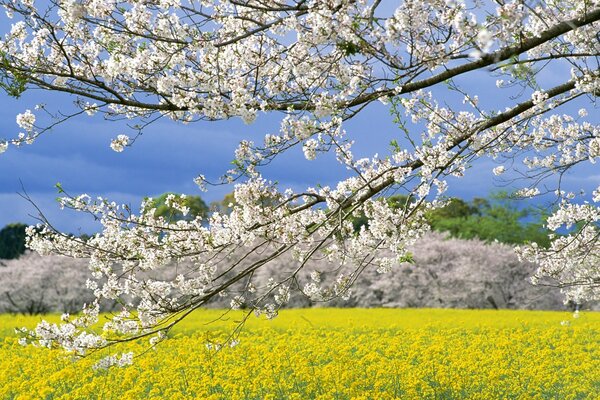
[496, 218]
[445, 272]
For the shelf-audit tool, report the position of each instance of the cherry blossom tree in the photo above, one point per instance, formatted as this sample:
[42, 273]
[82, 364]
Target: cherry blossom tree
[317, 64]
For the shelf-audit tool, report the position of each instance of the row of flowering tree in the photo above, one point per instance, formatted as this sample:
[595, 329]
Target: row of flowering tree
[317, 64]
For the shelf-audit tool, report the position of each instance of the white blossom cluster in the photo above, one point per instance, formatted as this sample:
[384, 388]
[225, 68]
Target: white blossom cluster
[318, 63]
[573, 261]
[119, 143]
[110, 361]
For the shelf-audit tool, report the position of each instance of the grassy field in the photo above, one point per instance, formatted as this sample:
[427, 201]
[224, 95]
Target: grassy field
[331, 354]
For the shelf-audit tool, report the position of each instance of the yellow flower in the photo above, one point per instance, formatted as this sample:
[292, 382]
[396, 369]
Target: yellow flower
[357, 354]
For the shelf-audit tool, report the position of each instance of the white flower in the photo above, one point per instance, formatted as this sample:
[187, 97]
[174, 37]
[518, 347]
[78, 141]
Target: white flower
[110, 361]
[119, 143]
[499, 170]
[90, 109]
[594, 149]
[200, 180]
[475, 54]
[484, 39]
[527, 192]
[596, 195]
[539, 97]
[237, 302]
[154, 340]
[26, 120]
[310, 149]
[315, 276]
[423, 190]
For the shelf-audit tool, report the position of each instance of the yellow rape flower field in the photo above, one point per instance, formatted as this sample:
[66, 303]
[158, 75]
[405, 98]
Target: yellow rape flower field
[330, 354]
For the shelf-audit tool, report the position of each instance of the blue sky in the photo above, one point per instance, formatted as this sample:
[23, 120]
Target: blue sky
[166, 158]
[169, 155]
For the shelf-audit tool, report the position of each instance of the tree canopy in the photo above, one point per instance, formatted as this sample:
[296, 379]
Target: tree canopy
[497, 218]
[187, 207]
[317, 64]
[12, 241]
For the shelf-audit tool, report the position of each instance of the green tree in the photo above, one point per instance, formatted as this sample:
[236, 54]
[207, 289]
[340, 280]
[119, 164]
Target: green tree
[225, 205]
[496, 218]
[456, 208]
[197, 207]
[12, 241]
